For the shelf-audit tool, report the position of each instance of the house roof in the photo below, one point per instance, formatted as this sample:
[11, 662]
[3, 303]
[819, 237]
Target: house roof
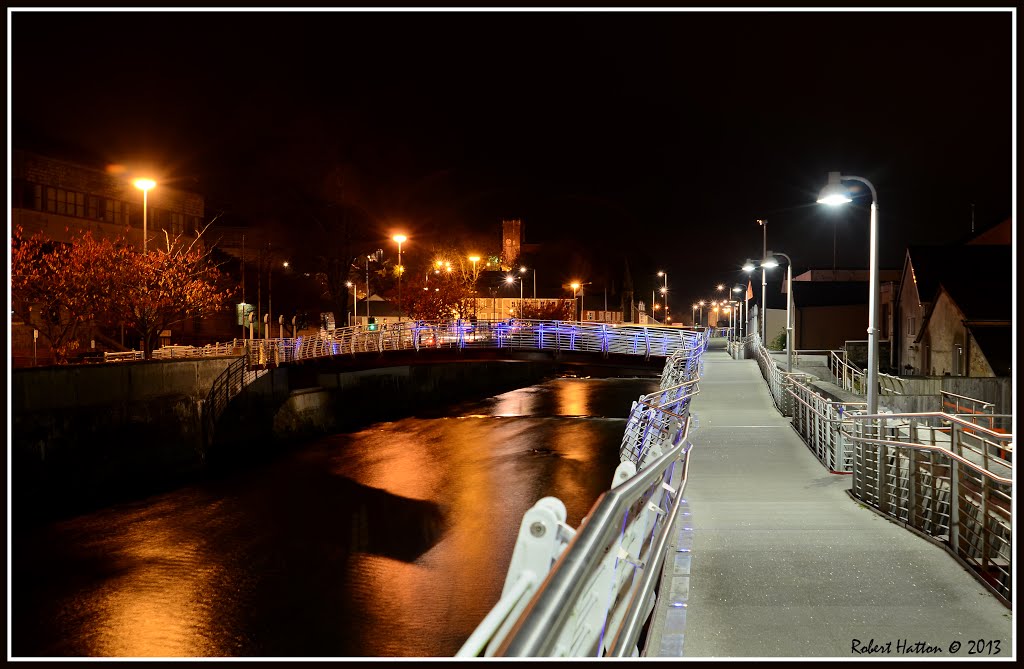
[977, 278]
[1000, 233]
[997, 344]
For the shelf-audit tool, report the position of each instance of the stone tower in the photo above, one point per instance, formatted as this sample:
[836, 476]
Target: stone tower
[511, 242]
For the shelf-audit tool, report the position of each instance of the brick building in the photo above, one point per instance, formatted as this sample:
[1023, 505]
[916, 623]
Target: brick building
[60, 198]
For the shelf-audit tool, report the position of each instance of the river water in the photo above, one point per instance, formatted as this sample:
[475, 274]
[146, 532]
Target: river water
[392, 541]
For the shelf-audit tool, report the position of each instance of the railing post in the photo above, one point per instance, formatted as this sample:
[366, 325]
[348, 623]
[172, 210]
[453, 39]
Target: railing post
[912, 475]
[954, 506]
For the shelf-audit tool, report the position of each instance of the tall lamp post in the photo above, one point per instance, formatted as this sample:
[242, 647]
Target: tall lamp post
[834, 194]
[764, 283]
[739, 313]
[144, 185]
[510, 280]
[693, 313]
[575, 285]
[664, 298]
[399, 239]
[664, 292]
[770, 262]
[354, 297]
[700, 315]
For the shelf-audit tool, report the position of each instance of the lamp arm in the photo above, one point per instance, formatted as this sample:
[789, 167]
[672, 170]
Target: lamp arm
[874, 195]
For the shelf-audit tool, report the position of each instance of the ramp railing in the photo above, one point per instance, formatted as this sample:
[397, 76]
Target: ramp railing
[946, 477]
[591, 592]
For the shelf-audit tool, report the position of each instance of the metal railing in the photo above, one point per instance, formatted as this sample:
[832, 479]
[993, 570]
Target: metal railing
[591, 592]
[946, 477]
[852, 378]
[228, 384]
[820, 422]
[600, 338]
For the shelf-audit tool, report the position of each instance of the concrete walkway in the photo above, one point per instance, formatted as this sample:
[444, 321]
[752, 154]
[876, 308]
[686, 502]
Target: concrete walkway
[773, 559]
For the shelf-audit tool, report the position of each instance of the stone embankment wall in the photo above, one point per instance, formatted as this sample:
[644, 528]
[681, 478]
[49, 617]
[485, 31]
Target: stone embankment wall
[92, 433]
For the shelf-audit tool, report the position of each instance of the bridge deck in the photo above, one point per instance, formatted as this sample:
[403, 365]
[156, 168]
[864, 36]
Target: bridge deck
[783, 563]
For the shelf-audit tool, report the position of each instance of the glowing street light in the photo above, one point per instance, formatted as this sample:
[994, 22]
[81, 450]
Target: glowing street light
[399, 239]
[354, 299]
[575, 285]
[664, 291]
[510, 280]
[693, 313]
[834, 194]
[144, 185]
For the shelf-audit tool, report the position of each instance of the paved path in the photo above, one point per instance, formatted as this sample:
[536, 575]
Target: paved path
[785, 564]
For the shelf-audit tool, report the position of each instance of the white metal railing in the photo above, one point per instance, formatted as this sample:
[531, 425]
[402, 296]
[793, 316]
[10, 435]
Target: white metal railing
[949, 476]
[946, 477]
[601, 338]
[852, 378]
[590, 592]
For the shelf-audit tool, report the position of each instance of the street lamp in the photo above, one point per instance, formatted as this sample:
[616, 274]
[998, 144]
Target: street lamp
[664, 296]
[664, 290]
[834, 194]
[354, 299]
[575, 285]
[770, 262]
[144, 185]
[510, 279]
[693, 313]
[399, 239]
[764, 282]
[700, 313]
[739, 313]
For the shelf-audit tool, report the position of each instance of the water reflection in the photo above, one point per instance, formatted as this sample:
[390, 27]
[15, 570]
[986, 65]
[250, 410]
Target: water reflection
[389, 542]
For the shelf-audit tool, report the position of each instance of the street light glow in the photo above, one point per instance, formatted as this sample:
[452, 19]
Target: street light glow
[834, 192]
[144, 184]
[748, 266]
[399, 238]
[474, 259]
[510, 279]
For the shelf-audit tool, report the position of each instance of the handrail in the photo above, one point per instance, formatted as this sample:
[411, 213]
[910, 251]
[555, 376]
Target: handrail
[930, 447]
[537, 630]
[619, 536]
[952, 418]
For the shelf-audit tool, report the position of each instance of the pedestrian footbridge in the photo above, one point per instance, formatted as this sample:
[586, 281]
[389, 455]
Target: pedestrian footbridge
[752, 517]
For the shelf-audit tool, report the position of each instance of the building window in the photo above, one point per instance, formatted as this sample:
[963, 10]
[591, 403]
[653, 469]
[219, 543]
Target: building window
[116, 211]
[177, 222]
[911, 326]
[93, 204]
[67, 203]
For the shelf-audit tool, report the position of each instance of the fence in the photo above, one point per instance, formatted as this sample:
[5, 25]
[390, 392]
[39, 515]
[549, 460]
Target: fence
[591, 592]
[946, 477]
[852, 378]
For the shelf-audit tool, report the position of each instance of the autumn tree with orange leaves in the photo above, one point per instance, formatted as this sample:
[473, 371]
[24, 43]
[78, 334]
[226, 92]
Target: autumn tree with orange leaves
[62, 289]
[169, 285]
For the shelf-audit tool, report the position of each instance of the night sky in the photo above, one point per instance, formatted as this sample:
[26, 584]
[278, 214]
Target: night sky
[658, 137]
